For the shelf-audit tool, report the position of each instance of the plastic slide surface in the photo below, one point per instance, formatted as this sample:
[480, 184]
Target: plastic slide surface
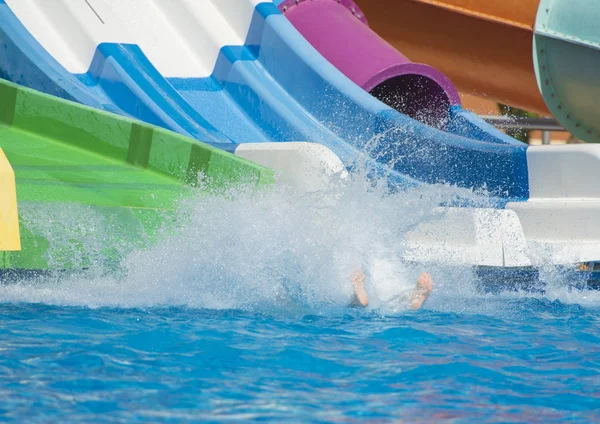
[483, 46]
[64, 155]
[9, 217]
[562, 205]
[235, 72]
[567, 60]
[340, 32]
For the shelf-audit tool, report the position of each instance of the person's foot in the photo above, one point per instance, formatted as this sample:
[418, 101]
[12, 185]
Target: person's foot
[360, 293]
[421, 292]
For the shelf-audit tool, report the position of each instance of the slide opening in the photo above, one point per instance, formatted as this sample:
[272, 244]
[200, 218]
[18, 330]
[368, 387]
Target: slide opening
[417, 96]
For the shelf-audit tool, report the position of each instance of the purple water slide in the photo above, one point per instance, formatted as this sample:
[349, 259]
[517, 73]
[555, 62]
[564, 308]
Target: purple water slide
[339, 31]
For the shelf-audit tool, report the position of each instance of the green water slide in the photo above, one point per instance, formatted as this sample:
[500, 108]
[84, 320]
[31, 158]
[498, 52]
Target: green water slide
[567, 62]
[90, 185]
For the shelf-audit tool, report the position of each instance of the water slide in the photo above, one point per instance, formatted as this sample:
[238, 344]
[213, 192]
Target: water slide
[236, 74]
[567, 59]
[56, 155]
[540, 55]
[486, 49]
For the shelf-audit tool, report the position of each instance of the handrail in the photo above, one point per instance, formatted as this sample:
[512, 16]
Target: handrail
[536, 124]
[545, 125]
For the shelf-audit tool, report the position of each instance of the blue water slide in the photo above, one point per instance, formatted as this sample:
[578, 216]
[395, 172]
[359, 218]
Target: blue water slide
[273, 86]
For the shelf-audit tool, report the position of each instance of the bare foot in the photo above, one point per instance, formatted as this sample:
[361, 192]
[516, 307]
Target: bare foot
[360, 293]
[421, 292]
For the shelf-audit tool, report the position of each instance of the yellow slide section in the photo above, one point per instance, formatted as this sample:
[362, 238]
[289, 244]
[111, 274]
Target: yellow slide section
[9, 217]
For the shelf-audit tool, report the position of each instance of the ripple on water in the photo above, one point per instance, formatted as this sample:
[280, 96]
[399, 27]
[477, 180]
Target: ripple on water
[241, 313]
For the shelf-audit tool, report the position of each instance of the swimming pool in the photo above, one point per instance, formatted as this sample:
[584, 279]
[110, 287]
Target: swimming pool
[502, 360]
[240, 315]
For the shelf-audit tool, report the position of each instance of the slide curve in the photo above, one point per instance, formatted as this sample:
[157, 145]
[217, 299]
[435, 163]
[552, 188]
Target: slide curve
[60, 159]
[483, 46]
[233, 72]
[567, 59]
[486, 45]
[340, 32]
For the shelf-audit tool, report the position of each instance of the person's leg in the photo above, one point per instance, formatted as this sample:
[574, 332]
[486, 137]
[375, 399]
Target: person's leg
[360, 292]
[422, 291]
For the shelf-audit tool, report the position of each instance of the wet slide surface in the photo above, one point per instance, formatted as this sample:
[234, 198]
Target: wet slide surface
[122, 173]
[238, 72]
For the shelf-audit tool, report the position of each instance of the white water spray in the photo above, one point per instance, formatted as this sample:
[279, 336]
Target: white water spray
[273, 250]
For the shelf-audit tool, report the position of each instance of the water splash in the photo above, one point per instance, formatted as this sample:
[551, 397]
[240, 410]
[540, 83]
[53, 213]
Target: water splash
[270, 251]
[247, 249]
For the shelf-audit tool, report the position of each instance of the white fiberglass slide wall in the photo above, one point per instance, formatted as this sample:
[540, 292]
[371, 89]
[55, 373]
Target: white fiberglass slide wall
[181, 38]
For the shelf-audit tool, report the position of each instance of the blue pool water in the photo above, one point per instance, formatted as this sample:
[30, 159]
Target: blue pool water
[533, 360]
[240, 315]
